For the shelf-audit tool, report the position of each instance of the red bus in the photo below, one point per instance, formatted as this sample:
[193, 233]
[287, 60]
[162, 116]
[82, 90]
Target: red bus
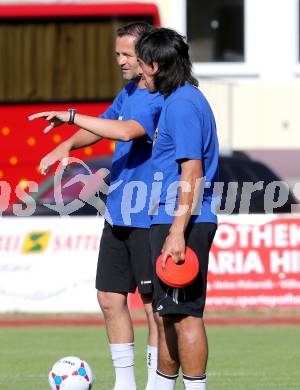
[56, 56]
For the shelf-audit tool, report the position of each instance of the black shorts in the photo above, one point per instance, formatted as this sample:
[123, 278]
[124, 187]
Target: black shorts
[124, 261]
[189, 300]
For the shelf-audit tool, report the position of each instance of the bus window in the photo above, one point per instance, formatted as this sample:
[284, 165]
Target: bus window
[59, 59]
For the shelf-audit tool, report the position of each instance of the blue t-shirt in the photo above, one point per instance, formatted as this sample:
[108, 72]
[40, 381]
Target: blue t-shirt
[128, 200]
[186, 130]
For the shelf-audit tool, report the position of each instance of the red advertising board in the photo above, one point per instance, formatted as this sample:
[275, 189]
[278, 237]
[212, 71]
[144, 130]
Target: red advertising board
[254, 263]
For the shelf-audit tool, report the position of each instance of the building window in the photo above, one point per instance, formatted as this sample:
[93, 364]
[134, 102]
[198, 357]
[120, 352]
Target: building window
[215, 30]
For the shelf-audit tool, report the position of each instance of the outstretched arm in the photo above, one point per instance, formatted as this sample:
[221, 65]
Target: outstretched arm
[106, 128]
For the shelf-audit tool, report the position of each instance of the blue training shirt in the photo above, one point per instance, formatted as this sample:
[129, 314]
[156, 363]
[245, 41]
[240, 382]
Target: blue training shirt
[186, 130]
[131, 177]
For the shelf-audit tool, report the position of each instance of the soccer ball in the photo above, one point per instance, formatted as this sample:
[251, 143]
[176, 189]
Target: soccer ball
[71, 373]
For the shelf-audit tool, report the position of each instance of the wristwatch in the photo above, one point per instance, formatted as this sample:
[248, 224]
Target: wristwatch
[72, 112]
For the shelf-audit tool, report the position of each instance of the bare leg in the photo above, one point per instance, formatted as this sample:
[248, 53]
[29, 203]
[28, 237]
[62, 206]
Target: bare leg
[116, 315]
[152, 327]
[168, 360]
[120, 334]
[192, 345]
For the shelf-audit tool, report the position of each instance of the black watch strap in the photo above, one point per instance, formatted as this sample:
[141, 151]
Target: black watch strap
[72, 112]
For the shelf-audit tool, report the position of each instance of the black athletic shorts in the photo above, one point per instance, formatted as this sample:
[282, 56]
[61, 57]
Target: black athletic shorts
[124, 261]
[189, 300]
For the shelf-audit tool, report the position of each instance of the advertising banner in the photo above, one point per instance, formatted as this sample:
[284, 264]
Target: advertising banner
[48, 264]
[255, 262]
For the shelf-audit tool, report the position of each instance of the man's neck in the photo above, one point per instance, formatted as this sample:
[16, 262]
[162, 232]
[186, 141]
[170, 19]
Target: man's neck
[139, 82]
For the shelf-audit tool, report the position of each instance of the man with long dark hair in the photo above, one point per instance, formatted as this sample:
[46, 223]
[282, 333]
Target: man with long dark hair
[185, 155]
[124, 258]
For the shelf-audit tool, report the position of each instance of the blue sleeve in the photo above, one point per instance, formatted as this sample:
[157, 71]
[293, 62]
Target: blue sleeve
[184, 123]
[114, 109]
[147, 113]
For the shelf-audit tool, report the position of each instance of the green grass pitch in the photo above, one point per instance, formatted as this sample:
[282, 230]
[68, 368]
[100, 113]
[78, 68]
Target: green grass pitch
[246, 358]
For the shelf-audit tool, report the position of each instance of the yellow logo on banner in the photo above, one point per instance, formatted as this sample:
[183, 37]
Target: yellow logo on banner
[36, 242]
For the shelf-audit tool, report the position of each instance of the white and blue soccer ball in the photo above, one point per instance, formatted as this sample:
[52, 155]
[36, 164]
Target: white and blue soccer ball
[71, 373]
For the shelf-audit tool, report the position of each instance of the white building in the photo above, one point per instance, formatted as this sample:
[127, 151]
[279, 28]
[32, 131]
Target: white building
[247, 58]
